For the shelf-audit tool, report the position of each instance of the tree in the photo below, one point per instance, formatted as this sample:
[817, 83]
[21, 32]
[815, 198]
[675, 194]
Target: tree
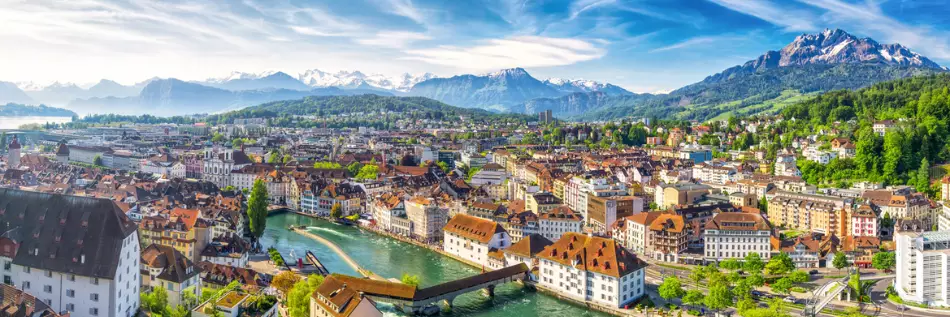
[746, 303]
[368, 172]
[763, 206]
[719, 297]
[97, 161]
[756, 280]
[155, 301]
[671, 288]
[730, 264]
[840, 261]
[411, 280]
[883, 261]
[336, 211]
[698, 274]
[178, 311]
[693, 297]
[855, 283]
[217, 137]
[782, 285]
[742, 289]
[229, 188]
[799, 276]
[923, 176]
[353, 168]
[274, 157]
[257, 209]
[779, 264]
[298, 301]
[284, 281]
[443, 166]
[753, 263]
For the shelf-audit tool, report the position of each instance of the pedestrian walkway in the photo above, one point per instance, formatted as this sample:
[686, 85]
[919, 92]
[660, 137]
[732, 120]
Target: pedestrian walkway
[346, 257]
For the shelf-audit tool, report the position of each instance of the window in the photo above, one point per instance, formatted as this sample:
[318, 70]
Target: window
[71, 277]
[70, 307]
[48, 288]
[94, 297]
[26, 269]
[94, 311]
[95, 281]
[7, 265]
[26, 285]
[70, 293]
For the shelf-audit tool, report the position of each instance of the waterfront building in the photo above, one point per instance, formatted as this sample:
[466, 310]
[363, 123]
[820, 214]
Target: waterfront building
[592, 269]
[526, 251]
[733, 235]
[334, 299]
[216, 276]
[76, 254]
[427, 218]
[167, 268]
[472, 238]
[922, 271]
[632, 231]
[668, 238]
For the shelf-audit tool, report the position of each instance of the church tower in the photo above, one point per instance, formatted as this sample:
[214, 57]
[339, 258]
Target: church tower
[13, 160]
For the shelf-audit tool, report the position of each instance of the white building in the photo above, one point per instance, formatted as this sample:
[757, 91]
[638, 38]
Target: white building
[923, 275]
[633, 232]
[218, 165]
[592, 269]
[733, 235]
[471, 238]
[558, 221]
[76, 254]
[163, 165]
[169, 269]
[708, 173]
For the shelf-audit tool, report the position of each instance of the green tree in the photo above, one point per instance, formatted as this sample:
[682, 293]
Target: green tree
[719, 297]
[229, 188]
[742, 289]
[671, 288]
[799, 276]
[336, 211]
[353, 168]
[756, 279]
[693, 297]
[840, 261]
[923, 176]
[730, 264]
[298, 301]
[274, 157]
[156, 300]
[329, 165]
[217, 137]
[443, 166]
[779, 264]
[746, 303]
[368, 172]
[782, 285]
[883, 261]
[257, 209]
[697, 274]
[763, 206]
[411, 280]
[753, 263]
[97, 161]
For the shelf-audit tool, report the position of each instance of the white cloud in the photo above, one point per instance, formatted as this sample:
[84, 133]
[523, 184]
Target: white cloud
[404, 8]
[580, 6]
[699, 40]
[393, 39]
[520, 51]
[792, 20]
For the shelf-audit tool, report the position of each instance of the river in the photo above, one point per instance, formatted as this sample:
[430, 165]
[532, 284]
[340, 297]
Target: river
[16, 122]
[391, 258]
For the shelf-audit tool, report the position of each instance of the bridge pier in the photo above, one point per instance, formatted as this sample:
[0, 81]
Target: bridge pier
[490, 291]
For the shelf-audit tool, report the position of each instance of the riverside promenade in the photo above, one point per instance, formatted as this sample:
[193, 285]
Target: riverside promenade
[346, 257]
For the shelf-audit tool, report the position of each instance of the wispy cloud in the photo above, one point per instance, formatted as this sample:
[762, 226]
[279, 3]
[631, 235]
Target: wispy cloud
[521, 51]
[578, 7]
[404, 8]
[695, 41]
[788, 18]
[393, 39]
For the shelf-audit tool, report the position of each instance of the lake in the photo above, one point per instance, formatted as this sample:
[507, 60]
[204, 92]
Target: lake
[15, 122]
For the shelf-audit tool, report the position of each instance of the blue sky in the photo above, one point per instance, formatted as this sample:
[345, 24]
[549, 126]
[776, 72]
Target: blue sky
[644, 46]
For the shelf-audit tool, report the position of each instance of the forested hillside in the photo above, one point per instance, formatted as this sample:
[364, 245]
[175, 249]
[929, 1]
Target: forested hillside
[920, 108]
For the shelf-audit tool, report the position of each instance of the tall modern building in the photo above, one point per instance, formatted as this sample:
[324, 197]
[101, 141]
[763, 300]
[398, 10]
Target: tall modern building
[923, 267]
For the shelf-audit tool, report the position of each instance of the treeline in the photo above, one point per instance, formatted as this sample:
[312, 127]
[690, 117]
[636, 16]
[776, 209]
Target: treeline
[750, 88]
[20, 110]
[282, 113]
[920, 110]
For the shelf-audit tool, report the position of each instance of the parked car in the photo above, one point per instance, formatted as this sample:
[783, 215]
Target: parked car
[791, 299]
[757, 293]
[813, 272]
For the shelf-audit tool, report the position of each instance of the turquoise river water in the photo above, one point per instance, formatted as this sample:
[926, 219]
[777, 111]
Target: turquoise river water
[391, 258]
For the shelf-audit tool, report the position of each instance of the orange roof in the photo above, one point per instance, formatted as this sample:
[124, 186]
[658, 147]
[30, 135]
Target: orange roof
[668, 222]
[474, 228]
[186, 216]
[594, 254]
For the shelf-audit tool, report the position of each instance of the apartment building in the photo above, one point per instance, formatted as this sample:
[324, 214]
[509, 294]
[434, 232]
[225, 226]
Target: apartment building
[559, 221]
[922, 271]
[809, 213]
[668, 235]
[733, 235]
[472, 238]
[76, 254]
[667, 195]
[169, 269]
[604, 211]
[633, 232]
[181, 229]
[427, 218]
[592, 269]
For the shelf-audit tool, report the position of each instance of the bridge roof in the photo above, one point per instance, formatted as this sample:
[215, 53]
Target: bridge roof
[471, 281]
[378, 288]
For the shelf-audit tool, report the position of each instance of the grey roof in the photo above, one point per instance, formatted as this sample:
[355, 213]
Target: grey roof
[78, 235]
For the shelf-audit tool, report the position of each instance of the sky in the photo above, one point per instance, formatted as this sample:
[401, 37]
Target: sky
[644, 46]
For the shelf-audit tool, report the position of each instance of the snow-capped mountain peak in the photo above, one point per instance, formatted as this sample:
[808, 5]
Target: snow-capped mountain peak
[236, 75]
[837, 46]
[356, 79]
[583, 85]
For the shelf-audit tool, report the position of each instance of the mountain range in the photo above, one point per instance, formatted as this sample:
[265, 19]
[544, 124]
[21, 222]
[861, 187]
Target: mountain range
[811, 63]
